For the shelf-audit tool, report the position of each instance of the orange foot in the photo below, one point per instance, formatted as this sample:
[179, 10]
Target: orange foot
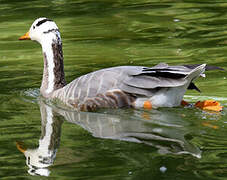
[209, 105]
[147, 105]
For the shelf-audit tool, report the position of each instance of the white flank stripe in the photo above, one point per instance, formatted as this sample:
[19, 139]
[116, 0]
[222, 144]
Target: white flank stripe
[79, 92]
[101, 82]
[67, 91]
[74, 87]
[89, 84]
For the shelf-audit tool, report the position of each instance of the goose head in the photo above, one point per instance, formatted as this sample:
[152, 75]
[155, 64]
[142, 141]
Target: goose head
[41, 30]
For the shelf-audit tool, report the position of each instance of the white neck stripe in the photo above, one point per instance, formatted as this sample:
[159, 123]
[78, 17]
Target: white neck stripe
[47, 49]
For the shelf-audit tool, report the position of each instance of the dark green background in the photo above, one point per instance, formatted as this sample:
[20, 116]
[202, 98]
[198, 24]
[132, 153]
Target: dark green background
[104, 33]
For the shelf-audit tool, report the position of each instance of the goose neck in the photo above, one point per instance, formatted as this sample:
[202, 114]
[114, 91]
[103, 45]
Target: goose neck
[53, 72]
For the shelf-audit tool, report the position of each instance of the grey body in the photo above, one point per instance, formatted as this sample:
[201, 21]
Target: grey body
[121, 86]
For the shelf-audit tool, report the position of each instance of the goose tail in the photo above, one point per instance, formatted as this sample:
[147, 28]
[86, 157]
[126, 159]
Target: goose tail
[196, 72]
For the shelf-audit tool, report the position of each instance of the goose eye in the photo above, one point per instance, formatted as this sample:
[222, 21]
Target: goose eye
[33, 27]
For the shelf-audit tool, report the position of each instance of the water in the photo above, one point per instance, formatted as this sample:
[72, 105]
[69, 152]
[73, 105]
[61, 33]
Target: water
[168, 143]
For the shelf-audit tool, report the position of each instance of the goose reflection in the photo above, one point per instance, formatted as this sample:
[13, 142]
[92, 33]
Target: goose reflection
[161, 129]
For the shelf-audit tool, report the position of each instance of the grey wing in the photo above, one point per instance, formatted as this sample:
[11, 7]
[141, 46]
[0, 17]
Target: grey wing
[146, 81]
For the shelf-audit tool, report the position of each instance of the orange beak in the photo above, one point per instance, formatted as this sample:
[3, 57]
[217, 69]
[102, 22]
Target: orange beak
[21, 147]
[25, 37]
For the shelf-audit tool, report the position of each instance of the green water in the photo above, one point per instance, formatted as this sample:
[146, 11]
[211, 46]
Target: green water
[177, 143]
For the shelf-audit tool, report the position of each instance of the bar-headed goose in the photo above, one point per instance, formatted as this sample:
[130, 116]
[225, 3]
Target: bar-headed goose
[123, 86]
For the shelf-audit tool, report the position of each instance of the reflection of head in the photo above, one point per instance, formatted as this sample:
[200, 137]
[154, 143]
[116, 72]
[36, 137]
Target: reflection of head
[40, 158]
[38, 161]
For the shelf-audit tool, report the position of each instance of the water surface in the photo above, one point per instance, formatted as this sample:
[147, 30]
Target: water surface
[168, 143]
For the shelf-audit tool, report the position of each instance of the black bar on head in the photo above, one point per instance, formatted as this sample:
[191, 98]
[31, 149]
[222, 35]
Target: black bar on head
[42, 21]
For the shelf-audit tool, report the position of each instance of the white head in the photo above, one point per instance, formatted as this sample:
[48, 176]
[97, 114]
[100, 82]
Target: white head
[40, 29]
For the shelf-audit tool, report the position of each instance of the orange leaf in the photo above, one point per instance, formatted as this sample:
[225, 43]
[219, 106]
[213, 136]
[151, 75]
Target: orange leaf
[209, 105]
[213, 108]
